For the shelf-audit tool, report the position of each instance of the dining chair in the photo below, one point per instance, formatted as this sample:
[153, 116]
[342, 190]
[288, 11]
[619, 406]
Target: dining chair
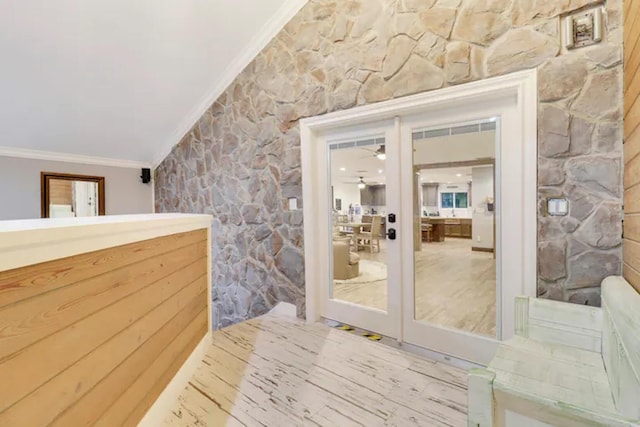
[372, 237]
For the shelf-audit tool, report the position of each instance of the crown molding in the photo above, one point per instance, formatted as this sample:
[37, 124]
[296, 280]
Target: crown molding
[284, 14]
[24, 153]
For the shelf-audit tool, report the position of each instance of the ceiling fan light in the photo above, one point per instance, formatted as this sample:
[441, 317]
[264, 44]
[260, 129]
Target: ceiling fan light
[381, 156]
[361, 183]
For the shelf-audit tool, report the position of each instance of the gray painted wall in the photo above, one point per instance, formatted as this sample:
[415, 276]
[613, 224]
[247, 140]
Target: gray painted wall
[20, 187]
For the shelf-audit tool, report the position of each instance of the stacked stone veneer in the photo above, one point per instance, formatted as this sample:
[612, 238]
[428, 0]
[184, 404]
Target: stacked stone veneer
[241, 161]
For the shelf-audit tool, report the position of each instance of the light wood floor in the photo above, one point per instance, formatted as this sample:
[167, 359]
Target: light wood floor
[275, 371]
[455, 287]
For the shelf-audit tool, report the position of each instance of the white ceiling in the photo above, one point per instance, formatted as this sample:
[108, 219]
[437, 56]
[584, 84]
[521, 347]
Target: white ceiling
[122, 79]
[361, 161]
[460, 175]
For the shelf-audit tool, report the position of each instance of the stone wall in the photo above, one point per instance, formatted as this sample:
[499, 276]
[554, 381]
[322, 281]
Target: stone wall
[241, 161]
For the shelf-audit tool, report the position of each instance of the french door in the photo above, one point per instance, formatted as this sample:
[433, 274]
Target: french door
[456, 297]
[426, 228]
[363, 286]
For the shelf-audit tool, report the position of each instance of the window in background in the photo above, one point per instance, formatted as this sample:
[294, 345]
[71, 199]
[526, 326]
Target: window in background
[462, 200]
[447, 200]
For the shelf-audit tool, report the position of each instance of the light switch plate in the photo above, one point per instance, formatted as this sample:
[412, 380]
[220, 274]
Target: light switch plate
[293, 204]
[557, 207]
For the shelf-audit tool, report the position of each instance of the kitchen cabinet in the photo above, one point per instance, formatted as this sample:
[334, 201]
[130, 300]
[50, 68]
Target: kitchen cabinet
[365, 197]
[437, 228]
[378, 195]
[458, 227]
[448, 227]
[466, 229]
[373, 195]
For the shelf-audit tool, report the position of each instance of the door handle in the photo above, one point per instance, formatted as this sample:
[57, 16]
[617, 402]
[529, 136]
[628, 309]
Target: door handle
[391, 234]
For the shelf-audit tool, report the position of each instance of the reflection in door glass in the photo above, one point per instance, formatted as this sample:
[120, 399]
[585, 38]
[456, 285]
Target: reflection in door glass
[454, 227]
[358, 222]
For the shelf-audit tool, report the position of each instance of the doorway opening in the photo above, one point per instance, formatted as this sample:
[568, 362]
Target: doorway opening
[420, 216]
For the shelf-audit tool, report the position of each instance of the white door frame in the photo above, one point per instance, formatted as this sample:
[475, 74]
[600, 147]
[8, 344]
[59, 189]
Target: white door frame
[521, 85]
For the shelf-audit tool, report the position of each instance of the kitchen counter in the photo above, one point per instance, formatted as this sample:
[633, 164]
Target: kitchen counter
[449, 227]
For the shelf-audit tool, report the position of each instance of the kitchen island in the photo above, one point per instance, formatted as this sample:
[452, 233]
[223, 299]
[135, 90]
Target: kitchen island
[442, 227]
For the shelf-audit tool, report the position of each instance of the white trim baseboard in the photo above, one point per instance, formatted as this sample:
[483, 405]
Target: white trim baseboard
[286, 12]
[24, 153]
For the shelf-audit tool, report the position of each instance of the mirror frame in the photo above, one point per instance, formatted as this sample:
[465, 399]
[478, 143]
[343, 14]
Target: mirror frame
[45, 177]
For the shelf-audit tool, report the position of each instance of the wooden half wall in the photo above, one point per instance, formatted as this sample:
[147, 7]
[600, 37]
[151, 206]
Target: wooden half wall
[632, 142]
[93, 339]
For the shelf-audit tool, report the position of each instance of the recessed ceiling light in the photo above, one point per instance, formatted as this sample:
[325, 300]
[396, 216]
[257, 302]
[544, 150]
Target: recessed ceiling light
[343, 169]
[458, 174]
[380, 171]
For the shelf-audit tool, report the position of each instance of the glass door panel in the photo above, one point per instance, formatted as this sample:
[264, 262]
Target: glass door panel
[454, 253]
[363, 261]
[451, 232]
[358, 222]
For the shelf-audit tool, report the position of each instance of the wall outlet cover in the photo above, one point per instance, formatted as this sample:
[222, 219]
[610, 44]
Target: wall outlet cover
[583, 28]
[293, 204]
[557, 207]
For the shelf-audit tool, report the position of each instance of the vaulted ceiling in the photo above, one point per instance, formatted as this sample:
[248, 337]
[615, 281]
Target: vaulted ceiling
[122, 79]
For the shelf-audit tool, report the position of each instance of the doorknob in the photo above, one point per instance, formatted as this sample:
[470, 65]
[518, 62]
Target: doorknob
[391, 234]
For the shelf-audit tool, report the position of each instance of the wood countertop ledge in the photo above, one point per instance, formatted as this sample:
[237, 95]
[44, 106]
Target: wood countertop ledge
[33, 241]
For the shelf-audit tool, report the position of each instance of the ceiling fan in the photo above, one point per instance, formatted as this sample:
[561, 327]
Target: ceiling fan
[360, 181]
[379, 153]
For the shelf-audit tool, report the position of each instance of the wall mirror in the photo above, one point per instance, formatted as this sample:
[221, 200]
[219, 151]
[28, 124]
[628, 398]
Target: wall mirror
[68, 196]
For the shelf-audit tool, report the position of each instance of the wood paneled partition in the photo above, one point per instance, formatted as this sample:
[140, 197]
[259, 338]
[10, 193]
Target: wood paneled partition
[632, 142]
[93, 339]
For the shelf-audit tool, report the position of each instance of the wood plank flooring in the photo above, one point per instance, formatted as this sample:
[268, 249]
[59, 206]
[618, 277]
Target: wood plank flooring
[455, 287]
[278, 371]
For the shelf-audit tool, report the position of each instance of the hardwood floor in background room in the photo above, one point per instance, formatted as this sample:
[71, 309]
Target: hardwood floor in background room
[455, 286]
[278, 371]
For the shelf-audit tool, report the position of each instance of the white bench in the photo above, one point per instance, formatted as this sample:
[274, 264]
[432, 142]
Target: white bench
[568, 365]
